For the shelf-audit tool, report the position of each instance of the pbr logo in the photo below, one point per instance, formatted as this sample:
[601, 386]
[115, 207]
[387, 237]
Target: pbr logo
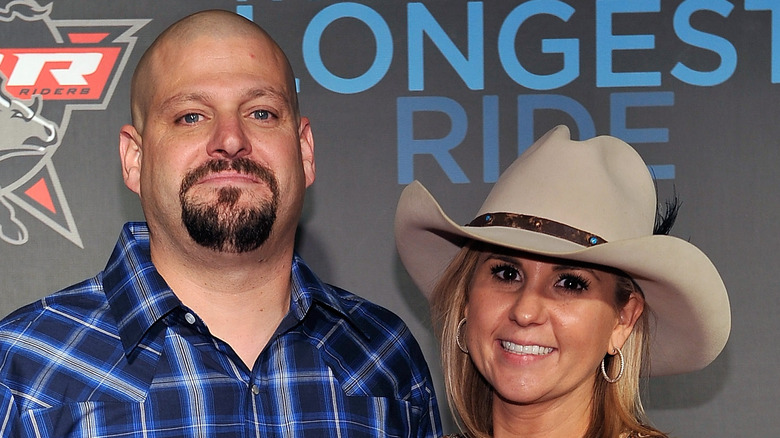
[73, 65]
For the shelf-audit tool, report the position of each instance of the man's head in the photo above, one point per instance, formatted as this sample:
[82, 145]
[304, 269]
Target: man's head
[210, 24]
[217, 146]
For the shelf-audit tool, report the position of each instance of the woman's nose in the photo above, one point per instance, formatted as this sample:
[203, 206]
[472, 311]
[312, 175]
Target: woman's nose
[529, 307]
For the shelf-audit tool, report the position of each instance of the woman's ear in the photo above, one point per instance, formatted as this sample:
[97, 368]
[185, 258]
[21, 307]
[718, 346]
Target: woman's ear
[627, 318]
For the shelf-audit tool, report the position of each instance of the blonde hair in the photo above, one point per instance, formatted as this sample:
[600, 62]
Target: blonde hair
[617, 407]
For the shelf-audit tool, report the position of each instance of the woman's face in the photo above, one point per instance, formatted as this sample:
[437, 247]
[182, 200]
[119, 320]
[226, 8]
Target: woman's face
[537, 329]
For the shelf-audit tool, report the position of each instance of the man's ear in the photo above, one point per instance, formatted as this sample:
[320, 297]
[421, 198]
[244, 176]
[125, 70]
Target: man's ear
[306, 139]
[130, 156]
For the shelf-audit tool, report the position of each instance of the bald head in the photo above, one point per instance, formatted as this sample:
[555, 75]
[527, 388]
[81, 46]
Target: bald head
[213, 24]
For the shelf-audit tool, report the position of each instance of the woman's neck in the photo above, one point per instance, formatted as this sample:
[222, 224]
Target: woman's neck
[565, 417]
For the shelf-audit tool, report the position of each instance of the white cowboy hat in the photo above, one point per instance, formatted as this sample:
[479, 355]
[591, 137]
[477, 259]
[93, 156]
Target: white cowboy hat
[592, 201]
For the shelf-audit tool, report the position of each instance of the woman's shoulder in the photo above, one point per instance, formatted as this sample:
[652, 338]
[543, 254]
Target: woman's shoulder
[623, 435]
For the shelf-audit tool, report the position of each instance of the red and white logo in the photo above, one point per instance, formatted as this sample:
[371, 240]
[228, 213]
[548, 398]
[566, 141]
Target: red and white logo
[40, 86]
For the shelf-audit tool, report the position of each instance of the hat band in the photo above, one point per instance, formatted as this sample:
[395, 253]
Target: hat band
[539, 225]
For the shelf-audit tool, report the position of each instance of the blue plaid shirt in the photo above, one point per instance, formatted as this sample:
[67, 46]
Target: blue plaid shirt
[118, 355]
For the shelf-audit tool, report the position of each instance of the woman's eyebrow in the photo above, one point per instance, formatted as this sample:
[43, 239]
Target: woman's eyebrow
[575, 267]
[503, 258]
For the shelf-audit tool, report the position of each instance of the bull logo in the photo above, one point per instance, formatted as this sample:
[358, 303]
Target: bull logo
[73, 65]
[20, 122]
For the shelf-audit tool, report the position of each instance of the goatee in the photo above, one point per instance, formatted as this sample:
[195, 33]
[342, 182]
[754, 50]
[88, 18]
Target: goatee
[221, 225]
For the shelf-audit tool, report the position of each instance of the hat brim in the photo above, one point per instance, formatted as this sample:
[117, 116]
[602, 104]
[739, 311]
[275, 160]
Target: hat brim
[690, 307]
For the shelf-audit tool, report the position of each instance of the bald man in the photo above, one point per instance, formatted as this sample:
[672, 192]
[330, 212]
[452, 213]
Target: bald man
[205, 322]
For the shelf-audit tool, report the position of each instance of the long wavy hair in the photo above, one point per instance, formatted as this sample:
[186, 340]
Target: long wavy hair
[617, 407]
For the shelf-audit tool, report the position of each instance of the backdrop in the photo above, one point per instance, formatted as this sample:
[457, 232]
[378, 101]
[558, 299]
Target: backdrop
[447, 92]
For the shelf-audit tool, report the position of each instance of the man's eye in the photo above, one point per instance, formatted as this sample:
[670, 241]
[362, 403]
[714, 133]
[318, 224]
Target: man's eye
[261, 115]
[191, 118]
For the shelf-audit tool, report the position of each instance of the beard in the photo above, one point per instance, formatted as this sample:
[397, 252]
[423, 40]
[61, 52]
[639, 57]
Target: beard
[221, 225]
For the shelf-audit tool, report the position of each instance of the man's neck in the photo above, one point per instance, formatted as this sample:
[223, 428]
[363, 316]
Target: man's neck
[242, 298]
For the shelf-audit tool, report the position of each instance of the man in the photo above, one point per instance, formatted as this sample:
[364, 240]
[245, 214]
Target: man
[205, 323]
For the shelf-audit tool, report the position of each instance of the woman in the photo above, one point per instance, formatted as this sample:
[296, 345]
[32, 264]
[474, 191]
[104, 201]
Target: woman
[555, 299]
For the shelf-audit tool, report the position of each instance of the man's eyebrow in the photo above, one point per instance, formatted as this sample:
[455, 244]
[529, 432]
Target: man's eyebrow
[204, 97]
[177, 99]
[269, 92]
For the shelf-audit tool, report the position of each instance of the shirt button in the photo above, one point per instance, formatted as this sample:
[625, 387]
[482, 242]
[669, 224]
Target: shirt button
[189, 317]
[255, 389]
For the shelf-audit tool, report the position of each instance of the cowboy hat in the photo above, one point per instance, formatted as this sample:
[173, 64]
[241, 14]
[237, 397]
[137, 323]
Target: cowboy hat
[591, 201]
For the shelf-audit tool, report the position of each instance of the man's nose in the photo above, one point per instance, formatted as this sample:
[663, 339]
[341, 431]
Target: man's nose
[229, 138]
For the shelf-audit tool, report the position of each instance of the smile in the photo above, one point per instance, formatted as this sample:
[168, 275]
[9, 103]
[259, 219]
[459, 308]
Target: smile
[526, 349]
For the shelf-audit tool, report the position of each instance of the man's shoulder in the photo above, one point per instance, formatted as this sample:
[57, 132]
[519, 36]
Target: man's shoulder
[367, 317]
[372, 318]
[370, 341]
[76, 305]
[369, 328]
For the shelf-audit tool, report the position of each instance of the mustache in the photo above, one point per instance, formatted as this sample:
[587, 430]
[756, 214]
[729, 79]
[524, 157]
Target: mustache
[241, 165]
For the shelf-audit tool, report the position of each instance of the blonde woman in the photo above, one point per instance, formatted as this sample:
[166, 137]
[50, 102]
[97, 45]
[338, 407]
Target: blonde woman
[559, 295]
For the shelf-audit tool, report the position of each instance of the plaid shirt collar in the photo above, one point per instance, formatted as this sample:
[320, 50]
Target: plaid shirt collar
[139, 297]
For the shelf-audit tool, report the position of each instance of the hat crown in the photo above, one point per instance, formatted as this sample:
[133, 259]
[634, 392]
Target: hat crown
[600, 186]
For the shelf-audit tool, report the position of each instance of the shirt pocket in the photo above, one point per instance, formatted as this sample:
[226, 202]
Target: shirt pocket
[123, 419]
[84, 419]
[371, 416]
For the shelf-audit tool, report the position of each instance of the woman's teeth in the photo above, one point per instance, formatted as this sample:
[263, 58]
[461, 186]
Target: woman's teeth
[526, 349]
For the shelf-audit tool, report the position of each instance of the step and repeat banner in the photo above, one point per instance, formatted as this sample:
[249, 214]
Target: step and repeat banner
[446, 92]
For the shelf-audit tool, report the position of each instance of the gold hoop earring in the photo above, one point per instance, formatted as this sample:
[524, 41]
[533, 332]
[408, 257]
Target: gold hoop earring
[457, 336]
[622, 367]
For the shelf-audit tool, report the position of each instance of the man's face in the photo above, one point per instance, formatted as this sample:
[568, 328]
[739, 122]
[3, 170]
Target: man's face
[222, 152]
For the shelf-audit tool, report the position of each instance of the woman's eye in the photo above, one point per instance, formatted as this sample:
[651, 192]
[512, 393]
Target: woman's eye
[572, 282]
[505, 272]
